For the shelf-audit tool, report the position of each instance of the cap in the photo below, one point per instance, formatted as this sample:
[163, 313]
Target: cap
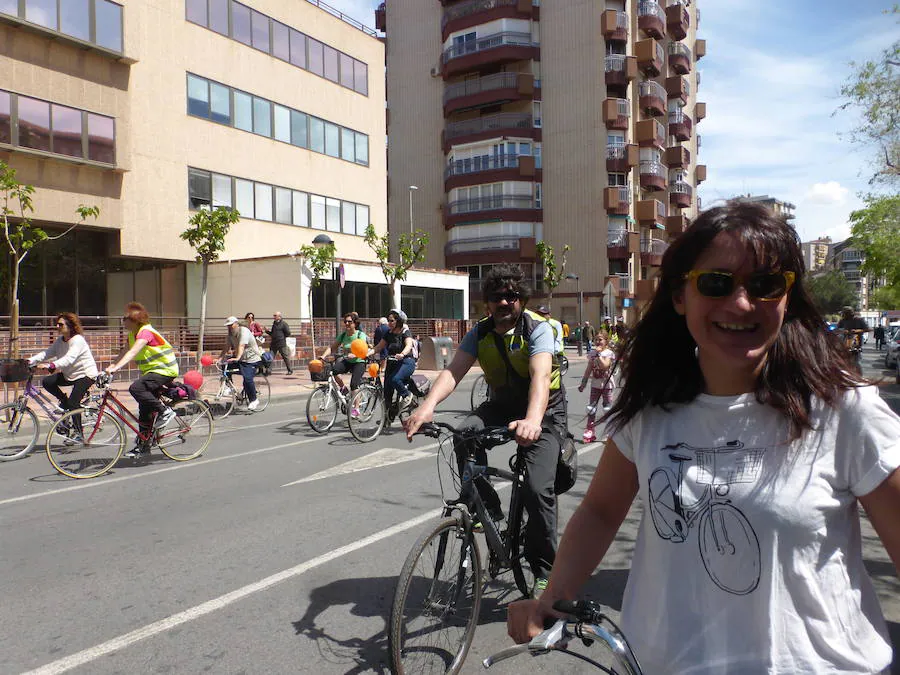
[607, 318]
[230, 320]
[542, 309]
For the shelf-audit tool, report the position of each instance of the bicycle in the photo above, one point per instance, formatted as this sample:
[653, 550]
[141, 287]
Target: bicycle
[227, 396]
[440, 586]
[368, 412]
[481, 392]
[326, 400]
[87, 442]
[19, 424]
[590, 625]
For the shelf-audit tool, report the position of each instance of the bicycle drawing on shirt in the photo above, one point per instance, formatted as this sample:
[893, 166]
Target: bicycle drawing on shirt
[729, 548]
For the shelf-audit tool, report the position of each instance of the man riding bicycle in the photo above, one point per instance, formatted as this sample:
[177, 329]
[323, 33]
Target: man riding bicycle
[852, 328]
[516, 349]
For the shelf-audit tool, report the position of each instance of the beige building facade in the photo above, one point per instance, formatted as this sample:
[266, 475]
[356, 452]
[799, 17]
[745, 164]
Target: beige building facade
[571, 123]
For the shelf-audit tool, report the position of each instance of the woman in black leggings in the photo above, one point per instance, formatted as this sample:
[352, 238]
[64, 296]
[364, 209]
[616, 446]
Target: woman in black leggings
[70, 362]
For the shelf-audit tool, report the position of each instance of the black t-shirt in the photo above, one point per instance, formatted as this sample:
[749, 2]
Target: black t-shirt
[396, 341]
[853, 323]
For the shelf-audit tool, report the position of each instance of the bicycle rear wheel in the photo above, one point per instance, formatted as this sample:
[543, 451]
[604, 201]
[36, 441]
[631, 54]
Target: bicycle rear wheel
[220, 397]
[481, 392]
[366, 414]
[435, 610]
[87, 453]
[322, 409]
[189, 433]
[18, 431]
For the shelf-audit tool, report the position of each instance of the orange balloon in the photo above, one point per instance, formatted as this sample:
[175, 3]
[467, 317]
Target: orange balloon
[316, 366]
[373, 369]
[359, 348]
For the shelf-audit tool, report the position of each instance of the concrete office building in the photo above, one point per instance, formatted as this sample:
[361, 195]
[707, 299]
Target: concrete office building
[815, 253]
[572, 123]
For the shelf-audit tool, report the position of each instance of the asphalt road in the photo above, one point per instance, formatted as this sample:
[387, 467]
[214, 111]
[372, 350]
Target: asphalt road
[276, 552]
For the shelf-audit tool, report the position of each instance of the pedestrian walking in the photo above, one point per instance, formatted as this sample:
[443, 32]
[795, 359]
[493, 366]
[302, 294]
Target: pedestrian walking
[255, 327]
[879, 337]
[587, 335]
[279, 333]
[599, 372]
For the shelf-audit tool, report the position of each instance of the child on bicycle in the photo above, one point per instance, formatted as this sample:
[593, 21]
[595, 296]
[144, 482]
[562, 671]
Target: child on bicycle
[730, 361]
[599, 371]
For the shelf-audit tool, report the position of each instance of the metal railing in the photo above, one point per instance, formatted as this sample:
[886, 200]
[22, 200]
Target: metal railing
[653, 246]
[651, 8]
[679, 117]
[652, 88]
[489, 123]
[491, 203]
[623, 109]
[624, 193]
[679, 48]
[472, 7]
[343, 17]
[614, 63]
[505, 38]
[481, 244]
[621, 20]
[460, 167]
[617, 237]
[616, 151]
[624, 282]
[680, 187]
[476, 86]
[652, 168]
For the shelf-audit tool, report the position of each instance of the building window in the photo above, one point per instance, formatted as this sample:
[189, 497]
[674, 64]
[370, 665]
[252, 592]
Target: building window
[331, 63]
[283, 205]
[98, 22]
[362, 219]
[198, 96]
[362, 149]
[317, 212]
[5, 118]
[332, 214]
[299, 130]
[262, 117]
[298, 49]
[67, 131]
[219, 103]
[301, 209]
[34, 123]
[537, 114]
[281, 42]
[199, 188]
[240, 24]
[263, 194]
[75, 18]
[221, 191]
[316, 134]
[260, 27]
[101, 138]
[332, 140]
[243, 197]
[618, 180]
[218, 16]
[243, 111]
[315, 59]
[42, 12]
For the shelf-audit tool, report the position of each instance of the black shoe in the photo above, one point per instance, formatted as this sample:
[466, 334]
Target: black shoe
[136, 452]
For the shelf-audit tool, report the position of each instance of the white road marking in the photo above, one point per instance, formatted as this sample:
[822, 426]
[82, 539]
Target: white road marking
[374, 460]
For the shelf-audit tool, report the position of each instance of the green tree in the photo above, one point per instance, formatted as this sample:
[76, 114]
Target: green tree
[875, 230]
[553, 275]
[830, 292]
[885, 297]
[873, 90]
[206, 234]
[21, 236]
[411, 248]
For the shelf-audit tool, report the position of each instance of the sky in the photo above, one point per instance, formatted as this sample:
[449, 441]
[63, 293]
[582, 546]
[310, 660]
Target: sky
[771, 79]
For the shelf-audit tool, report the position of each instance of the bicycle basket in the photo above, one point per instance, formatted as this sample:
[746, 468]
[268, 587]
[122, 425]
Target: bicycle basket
[322, 375]
[13, 370]
[724, 467]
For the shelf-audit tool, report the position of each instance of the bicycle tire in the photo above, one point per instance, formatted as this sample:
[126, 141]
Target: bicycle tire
[456, 553]
[263, 391]
[101, 444]
[367, 402]
[563, 365]
[221, 400]
[19, 429]
[481, 392]
[517, 534]
[322, 409]
[188, 434]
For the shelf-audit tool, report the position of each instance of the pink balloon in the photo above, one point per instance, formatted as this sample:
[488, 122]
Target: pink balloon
[206, 360]
[193, 378]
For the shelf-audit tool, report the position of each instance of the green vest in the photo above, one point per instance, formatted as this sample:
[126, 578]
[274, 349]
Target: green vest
[496, 373]
[160, 360]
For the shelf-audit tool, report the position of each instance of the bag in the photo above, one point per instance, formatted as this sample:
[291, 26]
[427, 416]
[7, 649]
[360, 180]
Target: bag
[267, 357]
[291, 344]
[419, 385]
[566, 466]
[179, 391]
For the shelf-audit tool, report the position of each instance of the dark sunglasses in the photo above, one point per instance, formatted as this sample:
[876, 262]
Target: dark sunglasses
[349, 321]
[763, 286]
[509, 296]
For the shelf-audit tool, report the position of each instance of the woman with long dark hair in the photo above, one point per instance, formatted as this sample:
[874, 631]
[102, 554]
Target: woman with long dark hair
[751, 445]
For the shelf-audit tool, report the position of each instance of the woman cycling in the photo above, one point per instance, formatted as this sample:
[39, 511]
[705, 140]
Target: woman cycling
[749, 435]
[346, 362]
[401, 359]
[70, 361]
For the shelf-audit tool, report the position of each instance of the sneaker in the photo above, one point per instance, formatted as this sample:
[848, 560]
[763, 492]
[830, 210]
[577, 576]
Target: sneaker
[354, 412]
[136, 452]
[163, 418]
[253, 405]
[59, 410]
[404, 402]
[589, 436]
[73, 439]
[540, 585]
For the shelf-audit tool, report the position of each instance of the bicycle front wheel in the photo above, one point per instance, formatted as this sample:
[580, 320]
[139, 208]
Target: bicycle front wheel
[85, 443]
[220, 400]
[435, 610]
[18, 431]
[263, 391]
[518, 531]
[366, 413]
[189, 432]
[481, 392]
[322, 409]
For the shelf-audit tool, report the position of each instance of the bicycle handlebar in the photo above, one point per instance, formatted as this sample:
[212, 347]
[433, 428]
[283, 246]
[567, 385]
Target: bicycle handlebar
[103, 379]
[434, 430]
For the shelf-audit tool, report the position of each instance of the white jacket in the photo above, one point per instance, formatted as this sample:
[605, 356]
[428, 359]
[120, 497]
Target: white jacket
[73, 358]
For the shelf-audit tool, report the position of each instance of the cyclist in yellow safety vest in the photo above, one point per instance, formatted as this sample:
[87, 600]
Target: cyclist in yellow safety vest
[155, 358]
[517, 352]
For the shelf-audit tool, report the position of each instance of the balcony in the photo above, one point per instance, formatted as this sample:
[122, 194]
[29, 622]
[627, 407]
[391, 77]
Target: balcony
[616, 113]
[680, 125]
[491, 50]
[490, 169]
[617, 200]
[678, 87]
[677, 20]
[614, 26]
[621, 158]
[677, 156]
[620, 244]
[650, 57]
[645, 289]
[680, 194]
[652, 251]
[651, 213]
[699, 111]
[650, 134]
[675, 225]
[652, 98]
[381, 18]
[489, 250]
[622, 285]
[520, 125]
[700, 174]
[652, 19]
[488, 90]
[620, 70]
[679, 58]
[699, 49]
[473, 12]
[653, 175]
[520, 208]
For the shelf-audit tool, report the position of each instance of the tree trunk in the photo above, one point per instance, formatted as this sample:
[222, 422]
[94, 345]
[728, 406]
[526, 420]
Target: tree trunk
[204, 275]
[550, 299]
[13, 352]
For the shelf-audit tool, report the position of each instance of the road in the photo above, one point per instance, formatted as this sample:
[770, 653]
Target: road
[276, 552]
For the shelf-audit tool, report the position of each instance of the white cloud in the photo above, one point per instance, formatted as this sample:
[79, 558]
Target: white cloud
[831, 192]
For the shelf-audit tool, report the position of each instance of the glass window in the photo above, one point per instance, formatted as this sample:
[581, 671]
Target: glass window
[346, 63]
[240, 23]
[362, 219]
[316, 134]
[108, 24]
[282, 123]
[260, 23]
[219, 103]
[281, 45]
[299, 132]
[5, 118]
[101, 138]
[348, 145]
[332, 139]
[199, 188]
[263, 195]
[243, 197]
[75, 18]
[10, 7]
[331, 63]
[34, 123]
[198, 96]
[221, 190]
[317, 211]
[41, 12]
[348, 218]
[332, 214]
[262, 117]
[362, 149]
[66, 131]
[315, 56]
[196, 12]
[301, 209]
[361, 77]
[282, 205]
[243, 111]
[298, 48]
[218, 16]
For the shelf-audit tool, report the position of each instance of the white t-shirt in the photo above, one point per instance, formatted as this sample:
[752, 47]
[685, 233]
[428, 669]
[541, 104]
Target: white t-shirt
[251, 346]
[598, 376]
[785, 590]
[72, 357]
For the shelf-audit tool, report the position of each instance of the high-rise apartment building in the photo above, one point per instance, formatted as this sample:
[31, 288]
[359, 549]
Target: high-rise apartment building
[570, 123]
[781, 208]
[815, 253]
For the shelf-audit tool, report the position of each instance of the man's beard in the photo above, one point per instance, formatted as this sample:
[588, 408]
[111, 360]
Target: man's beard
[510, 315]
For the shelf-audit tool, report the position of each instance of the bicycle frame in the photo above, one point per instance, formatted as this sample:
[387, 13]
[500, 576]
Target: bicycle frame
[32, 393]
[116, 408]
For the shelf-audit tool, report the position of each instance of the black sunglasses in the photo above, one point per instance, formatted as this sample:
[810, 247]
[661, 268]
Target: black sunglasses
[509, 296]
[765, 286]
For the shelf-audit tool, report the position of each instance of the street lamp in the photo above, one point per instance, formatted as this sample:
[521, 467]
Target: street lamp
[321, 241]
[580, 310]
[411, 189]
